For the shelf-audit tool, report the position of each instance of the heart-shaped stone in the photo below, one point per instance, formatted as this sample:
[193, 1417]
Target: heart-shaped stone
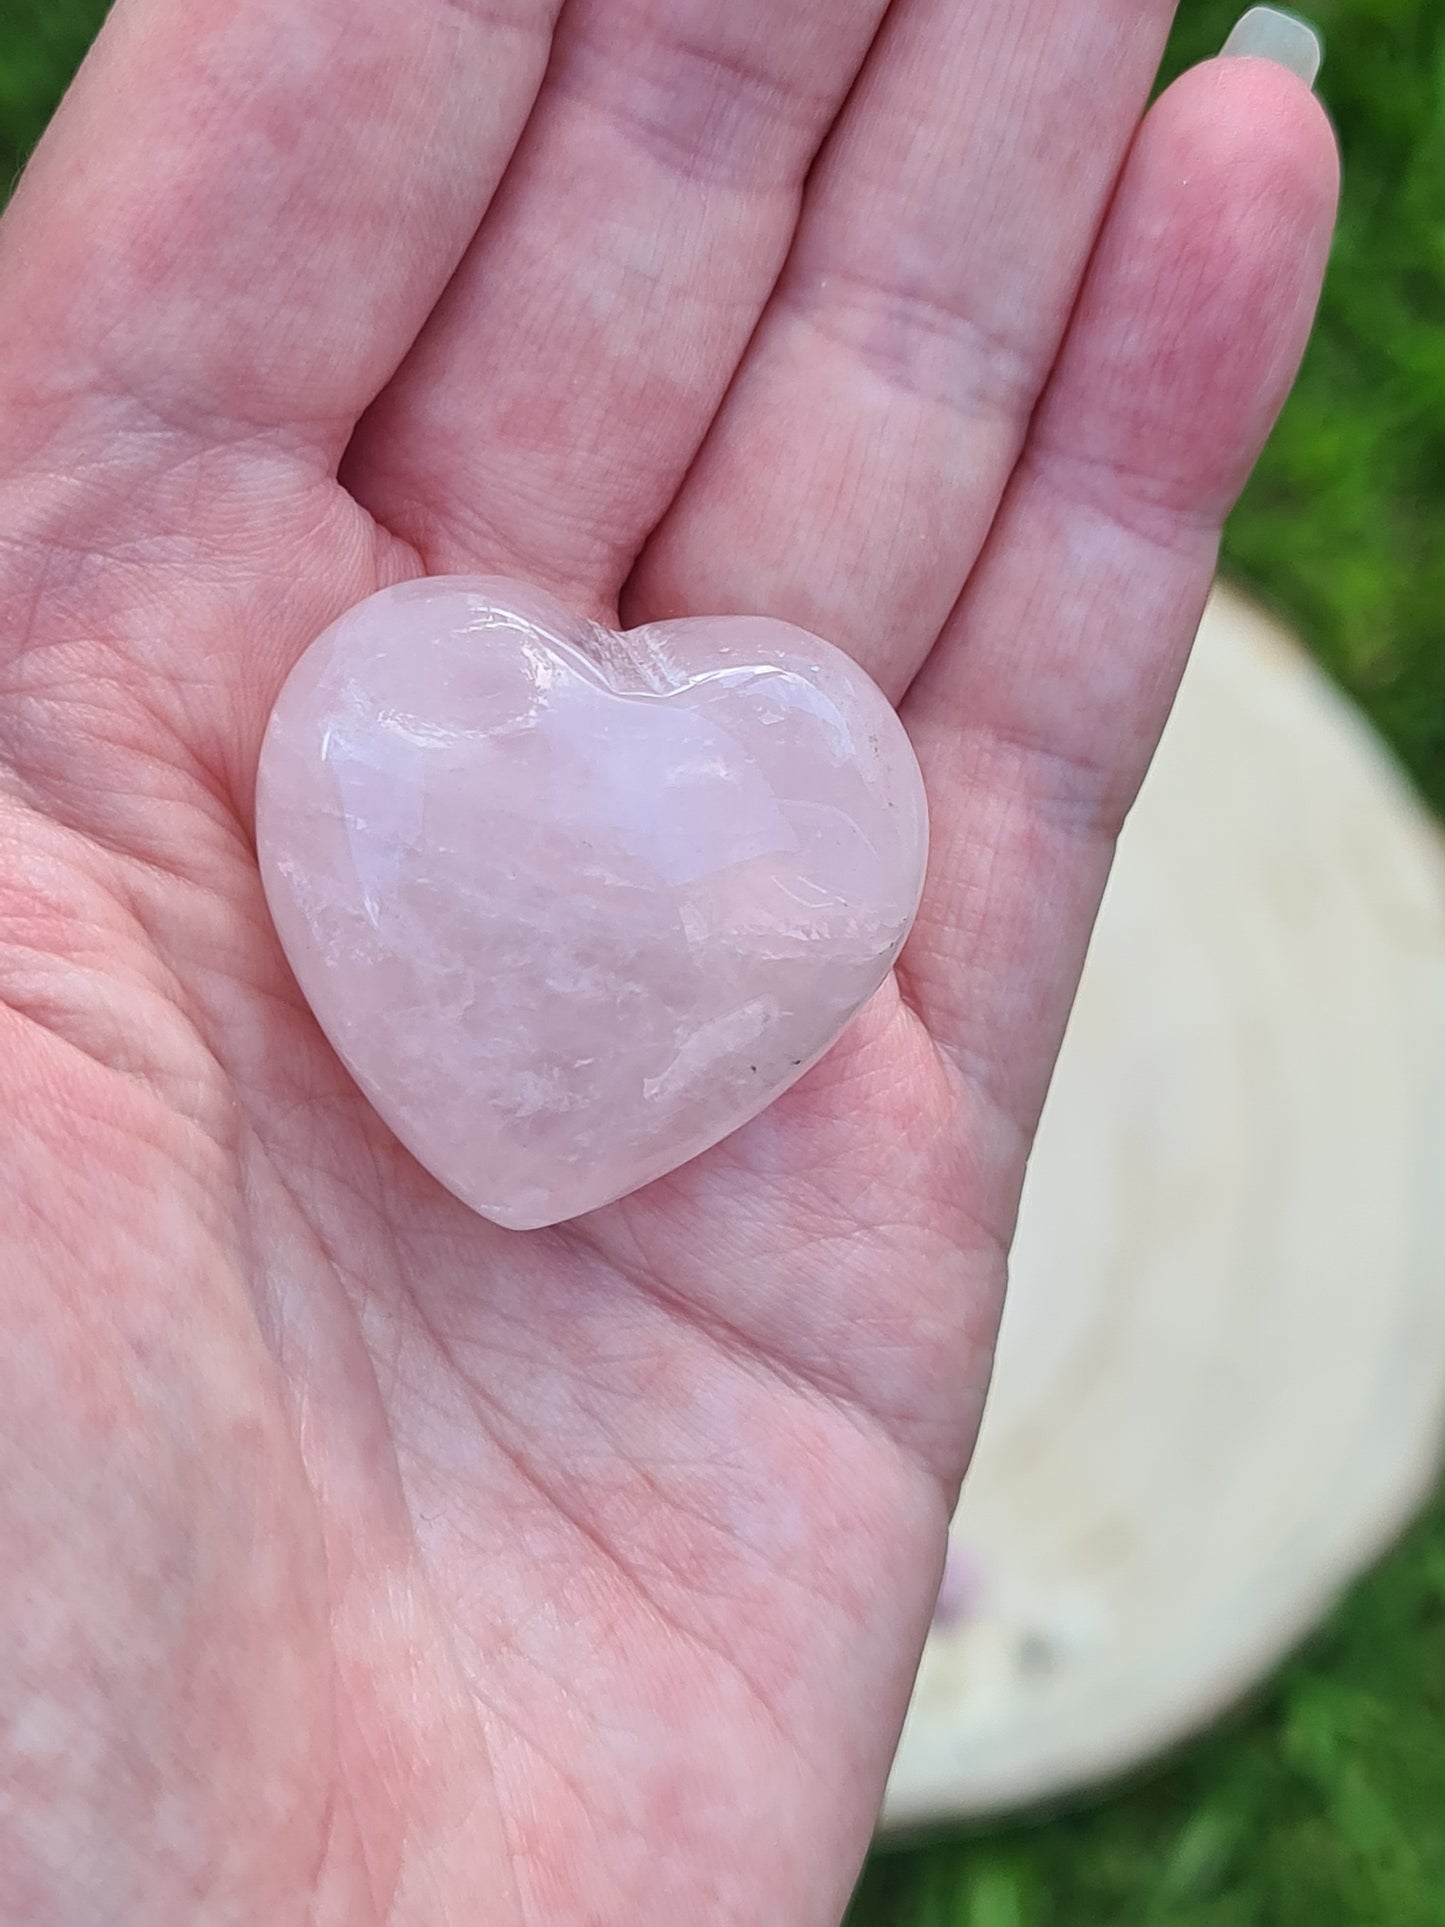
[572, 905]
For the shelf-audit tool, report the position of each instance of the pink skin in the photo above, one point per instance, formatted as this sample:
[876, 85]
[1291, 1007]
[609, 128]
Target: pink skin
[359, 1561]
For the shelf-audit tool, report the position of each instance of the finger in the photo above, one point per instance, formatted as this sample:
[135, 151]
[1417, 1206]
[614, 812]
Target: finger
[1037, 715]
[855, 468]
[554, 403]
[246, 208]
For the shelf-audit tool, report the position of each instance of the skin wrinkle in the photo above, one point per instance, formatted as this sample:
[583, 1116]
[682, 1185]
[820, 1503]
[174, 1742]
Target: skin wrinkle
[890, 328]
[944, 102]
[1125, 499]
[708, 113]
[616, 1561]
[469, 111]
[743, 1360]
[81, 1317]
[613, 1560]
[471, 1380]
[657, 364]
[78, 1253]
[58, 969]
[893, 1430]
[900, 1427]
[383, 1887]
[738, 1350]
[166, 561]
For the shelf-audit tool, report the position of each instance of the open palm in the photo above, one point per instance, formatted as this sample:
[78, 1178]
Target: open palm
[359, 1561]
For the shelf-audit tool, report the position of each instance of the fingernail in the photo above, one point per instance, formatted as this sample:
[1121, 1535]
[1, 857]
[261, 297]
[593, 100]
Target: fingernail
[1268, 33]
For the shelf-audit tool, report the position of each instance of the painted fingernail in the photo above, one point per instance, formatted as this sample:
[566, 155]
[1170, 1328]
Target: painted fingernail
[1268, 33]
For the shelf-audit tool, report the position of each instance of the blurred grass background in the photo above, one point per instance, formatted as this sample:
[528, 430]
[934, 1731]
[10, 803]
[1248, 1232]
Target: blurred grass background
[1323, 1805]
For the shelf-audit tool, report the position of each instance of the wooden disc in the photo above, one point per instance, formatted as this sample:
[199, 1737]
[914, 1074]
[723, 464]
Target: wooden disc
[1221, 1383]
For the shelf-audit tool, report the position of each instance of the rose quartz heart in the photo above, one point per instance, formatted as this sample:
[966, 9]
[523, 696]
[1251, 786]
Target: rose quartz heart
[573, 905]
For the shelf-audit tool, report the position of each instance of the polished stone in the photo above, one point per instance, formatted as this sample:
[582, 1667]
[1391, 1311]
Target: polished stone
[574, 905]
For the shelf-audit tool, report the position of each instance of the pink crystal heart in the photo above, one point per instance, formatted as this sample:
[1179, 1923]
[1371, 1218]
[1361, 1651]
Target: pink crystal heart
[573, 905]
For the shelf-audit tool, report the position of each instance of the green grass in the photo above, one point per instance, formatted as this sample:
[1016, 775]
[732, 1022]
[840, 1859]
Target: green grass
[1323, 1806]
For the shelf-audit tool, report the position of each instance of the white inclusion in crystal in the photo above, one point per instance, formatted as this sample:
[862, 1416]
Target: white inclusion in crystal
[807, 894]
[382, 805]
[706, 1050]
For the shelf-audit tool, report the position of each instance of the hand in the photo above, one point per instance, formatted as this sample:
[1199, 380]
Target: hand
[360, 1562]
